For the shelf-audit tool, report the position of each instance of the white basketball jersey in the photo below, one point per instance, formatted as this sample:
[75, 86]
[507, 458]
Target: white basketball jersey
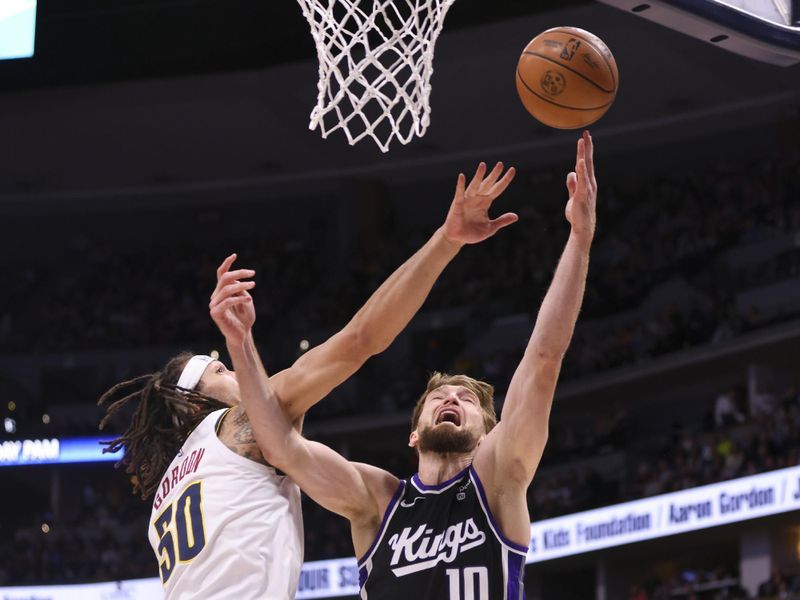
[224, 526]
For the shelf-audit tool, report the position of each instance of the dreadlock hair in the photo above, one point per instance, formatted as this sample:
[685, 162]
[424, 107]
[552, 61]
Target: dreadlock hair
[164, 417]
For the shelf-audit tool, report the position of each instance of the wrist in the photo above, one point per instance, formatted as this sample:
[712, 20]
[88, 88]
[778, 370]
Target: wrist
[238, 345]
[582, 239]
[450, 244]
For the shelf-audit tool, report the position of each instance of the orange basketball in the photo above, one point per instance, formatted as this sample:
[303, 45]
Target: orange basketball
[567, 77]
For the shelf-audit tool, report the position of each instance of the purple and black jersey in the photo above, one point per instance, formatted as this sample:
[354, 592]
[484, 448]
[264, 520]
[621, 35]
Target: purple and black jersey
[441, 542]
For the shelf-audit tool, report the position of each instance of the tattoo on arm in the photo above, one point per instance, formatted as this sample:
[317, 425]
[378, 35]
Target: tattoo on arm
[237, 434]
[243, 433]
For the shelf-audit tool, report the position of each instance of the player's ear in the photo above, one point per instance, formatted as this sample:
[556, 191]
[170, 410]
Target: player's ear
[413, 439]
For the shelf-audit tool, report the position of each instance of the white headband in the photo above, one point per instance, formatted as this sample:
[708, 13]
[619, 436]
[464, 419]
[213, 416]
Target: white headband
[193, 371]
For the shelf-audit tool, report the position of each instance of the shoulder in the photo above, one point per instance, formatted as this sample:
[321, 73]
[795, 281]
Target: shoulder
[234, 430]
[498, 469]
[381, 484]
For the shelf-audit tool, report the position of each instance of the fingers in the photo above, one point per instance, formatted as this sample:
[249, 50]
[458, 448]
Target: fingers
[231, 290]
[500, 187]
[582, 186]
[581, 172]
[589, 145]
[226, 264]
[491, 178]
[475, 184]
[218, 310]
[230, 276]
[503, 221]
[226, 278]
[572, 183]
[460, 188]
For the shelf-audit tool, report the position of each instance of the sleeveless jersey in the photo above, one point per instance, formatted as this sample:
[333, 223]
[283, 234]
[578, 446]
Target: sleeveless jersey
[223, 526]
[442, 543]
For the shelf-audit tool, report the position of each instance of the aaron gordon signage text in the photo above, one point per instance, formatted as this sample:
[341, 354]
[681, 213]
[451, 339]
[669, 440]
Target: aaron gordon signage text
[670, 514]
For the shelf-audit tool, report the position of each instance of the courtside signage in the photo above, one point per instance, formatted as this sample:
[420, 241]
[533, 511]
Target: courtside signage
[319, 579]
[133, 589]
[328, 579]
[670, 514]
[54, 451]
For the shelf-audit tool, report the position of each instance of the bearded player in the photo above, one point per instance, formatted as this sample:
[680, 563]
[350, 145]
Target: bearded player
[224, 523]
[459, 528]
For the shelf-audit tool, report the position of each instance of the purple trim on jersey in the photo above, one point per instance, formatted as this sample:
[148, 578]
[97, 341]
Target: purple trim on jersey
[385, 521]
[497, 530]
[435, 488]
[516, 590]
[362, 579]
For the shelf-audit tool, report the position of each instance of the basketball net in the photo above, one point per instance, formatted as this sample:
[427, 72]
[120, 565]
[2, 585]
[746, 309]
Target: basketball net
[375, 66]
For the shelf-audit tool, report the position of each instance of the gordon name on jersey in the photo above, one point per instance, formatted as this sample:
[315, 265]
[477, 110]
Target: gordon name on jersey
[176, 475]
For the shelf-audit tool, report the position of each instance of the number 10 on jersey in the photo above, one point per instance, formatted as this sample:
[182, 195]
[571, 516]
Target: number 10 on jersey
[475, 579]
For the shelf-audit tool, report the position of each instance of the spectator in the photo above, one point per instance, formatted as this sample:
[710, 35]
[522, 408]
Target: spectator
[774, 587]
[726, 413]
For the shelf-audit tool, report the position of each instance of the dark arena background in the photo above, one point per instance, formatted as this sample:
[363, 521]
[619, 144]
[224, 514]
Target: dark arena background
[143, 141]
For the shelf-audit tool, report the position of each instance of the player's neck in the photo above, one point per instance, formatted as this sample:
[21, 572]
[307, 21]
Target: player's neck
[436, 468]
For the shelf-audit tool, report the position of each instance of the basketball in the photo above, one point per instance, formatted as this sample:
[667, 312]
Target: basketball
[567, 78]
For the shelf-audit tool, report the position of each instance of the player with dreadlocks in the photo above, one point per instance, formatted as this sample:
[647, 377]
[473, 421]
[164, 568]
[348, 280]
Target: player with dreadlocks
[163, 418]
[224, 523]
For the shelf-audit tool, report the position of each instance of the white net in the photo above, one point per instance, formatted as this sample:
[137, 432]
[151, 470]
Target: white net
[375, 66]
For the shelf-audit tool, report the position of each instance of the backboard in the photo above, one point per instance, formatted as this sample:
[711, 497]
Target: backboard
[764, 30]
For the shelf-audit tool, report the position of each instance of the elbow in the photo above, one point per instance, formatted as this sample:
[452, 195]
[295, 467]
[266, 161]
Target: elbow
[545, 355]
[544, 369]
[365, 343]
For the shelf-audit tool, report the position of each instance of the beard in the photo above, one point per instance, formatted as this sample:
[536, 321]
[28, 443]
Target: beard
[446, 440]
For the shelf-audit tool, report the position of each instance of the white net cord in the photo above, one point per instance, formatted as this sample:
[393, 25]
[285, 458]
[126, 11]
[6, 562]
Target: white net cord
[375, 66]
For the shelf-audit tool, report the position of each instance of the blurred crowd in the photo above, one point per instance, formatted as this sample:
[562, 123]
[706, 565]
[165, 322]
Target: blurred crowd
[673, 231]
[691, 584]
[104, 540]
[734, 441]
[720, 583]
[676, 232]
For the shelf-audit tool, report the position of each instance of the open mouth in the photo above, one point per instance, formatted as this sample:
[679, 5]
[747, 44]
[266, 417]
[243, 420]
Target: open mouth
[449, 416]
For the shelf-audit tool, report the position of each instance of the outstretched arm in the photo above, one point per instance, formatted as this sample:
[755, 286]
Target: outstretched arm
[356, 491]
[392, 306]
[512, 451]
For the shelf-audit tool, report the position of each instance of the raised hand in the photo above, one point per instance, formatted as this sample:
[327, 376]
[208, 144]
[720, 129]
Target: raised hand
[468, 220]
[582, 189]
[231, 305]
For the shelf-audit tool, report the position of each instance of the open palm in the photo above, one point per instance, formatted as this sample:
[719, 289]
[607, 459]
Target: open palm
[468, 220]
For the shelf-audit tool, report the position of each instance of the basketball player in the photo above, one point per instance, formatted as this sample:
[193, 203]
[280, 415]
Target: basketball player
[224, 524]
[459, 528]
